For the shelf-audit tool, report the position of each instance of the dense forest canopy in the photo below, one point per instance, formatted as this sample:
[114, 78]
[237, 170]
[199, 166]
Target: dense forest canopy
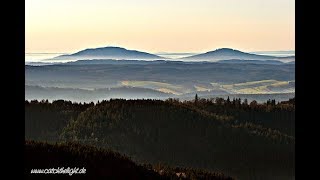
[244, 140]
[103, 163]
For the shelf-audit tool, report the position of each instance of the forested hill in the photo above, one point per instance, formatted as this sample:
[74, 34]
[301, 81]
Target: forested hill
[101, 163]
[246, 141]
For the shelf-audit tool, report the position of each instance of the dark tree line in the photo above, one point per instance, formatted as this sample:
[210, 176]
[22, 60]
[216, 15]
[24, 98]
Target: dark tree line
[45, 121]
[209, 134]
[101, 163]
[271, 114]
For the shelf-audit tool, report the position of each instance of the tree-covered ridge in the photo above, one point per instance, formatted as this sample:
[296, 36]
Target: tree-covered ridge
[279, 116]
[45, 121]
[247, 141]
[101, 163]
[125, 114]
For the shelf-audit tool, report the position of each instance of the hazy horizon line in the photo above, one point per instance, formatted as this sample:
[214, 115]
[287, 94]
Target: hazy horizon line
[175, 53]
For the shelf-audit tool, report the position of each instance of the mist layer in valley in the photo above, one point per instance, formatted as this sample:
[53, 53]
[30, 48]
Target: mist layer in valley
[157, 80]
[114, 72]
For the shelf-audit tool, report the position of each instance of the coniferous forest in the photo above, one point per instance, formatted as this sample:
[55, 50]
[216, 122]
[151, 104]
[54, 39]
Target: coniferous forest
[203, 138]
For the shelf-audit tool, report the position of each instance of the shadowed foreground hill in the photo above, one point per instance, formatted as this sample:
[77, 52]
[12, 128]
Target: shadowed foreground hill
[246, 141]
[100, 163]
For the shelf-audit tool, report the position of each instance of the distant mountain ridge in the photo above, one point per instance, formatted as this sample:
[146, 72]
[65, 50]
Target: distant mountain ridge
[109, 52]
[228, 54]
[119, 53]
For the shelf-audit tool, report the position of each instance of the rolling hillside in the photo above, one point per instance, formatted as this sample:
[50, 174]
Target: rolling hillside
[245, 141]
[100, 163]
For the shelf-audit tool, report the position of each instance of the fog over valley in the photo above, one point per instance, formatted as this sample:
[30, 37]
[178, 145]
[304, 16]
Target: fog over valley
[113, 72]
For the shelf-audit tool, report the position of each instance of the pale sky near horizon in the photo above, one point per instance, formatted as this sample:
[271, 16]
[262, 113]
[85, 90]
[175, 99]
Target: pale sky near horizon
[160, 25]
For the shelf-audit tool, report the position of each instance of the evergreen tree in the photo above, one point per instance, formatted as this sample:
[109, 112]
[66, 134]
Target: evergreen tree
[196, 99]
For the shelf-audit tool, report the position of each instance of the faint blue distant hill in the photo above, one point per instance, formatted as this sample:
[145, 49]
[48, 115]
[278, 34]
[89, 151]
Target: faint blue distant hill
[228, 54]
[118, 53]
[231, 61]
[109, 52]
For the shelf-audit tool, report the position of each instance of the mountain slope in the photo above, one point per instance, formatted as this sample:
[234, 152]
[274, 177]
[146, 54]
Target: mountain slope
[109, 53]
[100, 163]
[227, 53]
[185, 135]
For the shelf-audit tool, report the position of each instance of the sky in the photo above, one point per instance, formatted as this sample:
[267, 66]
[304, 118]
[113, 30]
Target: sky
[67, 26]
